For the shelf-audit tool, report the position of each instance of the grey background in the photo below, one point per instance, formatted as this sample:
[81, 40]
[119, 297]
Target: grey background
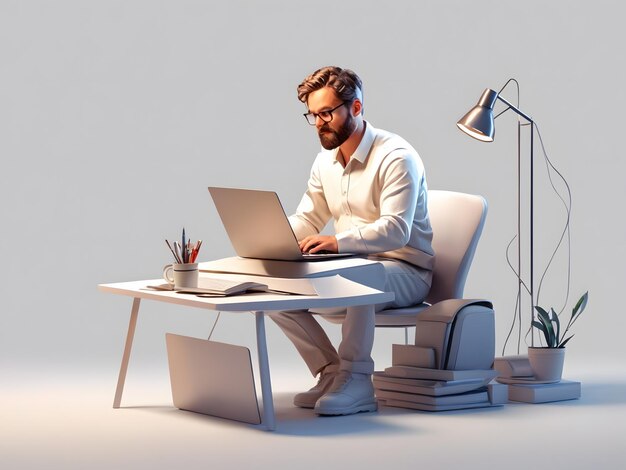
[115, 116]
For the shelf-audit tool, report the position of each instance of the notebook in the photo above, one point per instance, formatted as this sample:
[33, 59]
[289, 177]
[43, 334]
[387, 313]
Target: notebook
[257, 226]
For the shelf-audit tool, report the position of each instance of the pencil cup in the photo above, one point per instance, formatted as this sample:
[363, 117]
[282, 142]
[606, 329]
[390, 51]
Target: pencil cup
[181, 275]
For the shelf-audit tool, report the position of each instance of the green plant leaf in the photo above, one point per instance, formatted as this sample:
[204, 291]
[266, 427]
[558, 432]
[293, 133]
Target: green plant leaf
[550, 324]
[581, 304]
[578, 309]
[544, 318]
[557, 334]
[540, 310]
[543, 329]
[562, 345]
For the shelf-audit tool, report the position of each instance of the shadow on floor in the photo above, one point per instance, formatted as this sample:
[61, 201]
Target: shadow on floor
[291, 420]
[294, 421]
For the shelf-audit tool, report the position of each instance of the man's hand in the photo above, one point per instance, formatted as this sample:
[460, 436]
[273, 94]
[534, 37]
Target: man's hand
[317, 243]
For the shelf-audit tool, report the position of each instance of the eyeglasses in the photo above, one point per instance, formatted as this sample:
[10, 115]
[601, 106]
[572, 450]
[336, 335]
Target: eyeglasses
[325, 116]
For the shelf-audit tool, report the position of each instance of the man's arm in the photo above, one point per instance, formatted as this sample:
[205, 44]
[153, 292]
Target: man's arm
[312, 213]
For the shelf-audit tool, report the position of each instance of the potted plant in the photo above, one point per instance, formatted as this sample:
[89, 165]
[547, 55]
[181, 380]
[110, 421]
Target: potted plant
[547, 362]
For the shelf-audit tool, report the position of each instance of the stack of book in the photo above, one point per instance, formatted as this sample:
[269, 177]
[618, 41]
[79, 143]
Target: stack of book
[516, 373]
[429, 389]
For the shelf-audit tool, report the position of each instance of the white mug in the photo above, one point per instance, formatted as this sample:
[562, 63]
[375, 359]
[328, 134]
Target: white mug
[181, 275]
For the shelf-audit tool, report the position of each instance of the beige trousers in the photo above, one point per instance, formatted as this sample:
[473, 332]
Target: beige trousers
[357, 331]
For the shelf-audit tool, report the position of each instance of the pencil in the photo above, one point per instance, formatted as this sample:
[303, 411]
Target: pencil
[175, 257]
[183, 247]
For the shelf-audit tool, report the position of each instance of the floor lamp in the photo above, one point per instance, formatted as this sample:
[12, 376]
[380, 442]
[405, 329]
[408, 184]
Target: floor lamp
[479, 124]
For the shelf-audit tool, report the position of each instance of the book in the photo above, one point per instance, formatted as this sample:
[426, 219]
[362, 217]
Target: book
[475, 396]
[523, 381]
[209, 287]
[411, 355]
[426, 387]
[498, 393]
[427, 407]
[226, 284]
[439, 374]
[214, 287]
[543, 393]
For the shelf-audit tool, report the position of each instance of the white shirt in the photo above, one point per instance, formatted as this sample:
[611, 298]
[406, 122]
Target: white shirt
[378, 201]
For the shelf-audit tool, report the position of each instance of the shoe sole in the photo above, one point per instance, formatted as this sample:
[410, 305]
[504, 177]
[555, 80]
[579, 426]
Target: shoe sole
[361, 408]
[300, 404]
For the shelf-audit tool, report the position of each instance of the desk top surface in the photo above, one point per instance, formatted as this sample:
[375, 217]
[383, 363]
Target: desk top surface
[333, 291]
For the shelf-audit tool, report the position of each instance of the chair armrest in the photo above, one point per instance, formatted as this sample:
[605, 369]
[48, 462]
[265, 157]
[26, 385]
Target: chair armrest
[461, 331]
[446, 310]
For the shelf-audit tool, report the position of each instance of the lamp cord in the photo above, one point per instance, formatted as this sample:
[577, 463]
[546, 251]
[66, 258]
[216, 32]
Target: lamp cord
[507, 108]
[566, 229]
[565, 234]
[214, 325]
[517, 317]
[516, 84]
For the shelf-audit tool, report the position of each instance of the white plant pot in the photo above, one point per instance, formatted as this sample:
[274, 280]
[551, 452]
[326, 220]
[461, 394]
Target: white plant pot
[546, 363]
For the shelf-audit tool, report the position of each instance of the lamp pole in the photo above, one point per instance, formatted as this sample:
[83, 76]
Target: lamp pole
[531, 286]
[532, 231]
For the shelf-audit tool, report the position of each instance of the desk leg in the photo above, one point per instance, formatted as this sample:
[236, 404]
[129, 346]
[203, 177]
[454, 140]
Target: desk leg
[264, 369]
[129, 344]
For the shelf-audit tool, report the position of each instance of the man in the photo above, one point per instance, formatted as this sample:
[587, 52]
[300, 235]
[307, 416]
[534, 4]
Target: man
[372, 183]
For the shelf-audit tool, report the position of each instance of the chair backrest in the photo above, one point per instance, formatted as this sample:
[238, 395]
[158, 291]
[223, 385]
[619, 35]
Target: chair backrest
[457, 220]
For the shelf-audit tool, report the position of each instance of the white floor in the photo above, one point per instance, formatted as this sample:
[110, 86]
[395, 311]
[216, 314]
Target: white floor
[66, 422]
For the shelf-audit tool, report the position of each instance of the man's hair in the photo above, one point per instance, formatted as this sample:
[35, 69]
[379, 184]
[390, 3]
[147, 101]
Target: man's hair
[345, 82]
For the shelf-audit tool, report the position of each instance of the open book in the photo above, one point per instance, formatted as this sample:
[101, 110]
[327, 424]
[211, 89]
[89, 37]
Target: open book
[218, 286]
[214, 287]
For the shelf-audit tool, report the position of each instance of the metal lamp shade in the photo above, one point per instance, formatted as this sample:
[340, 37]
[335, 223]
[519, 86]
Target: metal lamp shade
[478, 122]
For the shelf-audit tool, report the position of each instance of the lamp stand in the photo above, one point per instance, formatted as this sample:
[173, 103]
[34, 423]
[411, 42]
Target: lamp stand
[531, 286]
[479, 124]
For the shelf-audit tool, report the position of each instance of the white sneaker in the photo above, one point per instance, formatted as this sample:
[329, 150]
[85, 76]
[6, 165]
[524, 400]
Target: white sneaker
[309, 398]
[350, 393]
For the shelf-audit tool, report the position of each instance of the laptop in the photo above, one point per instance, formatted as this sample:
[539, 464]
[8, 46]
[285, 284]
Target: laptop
[257, 226]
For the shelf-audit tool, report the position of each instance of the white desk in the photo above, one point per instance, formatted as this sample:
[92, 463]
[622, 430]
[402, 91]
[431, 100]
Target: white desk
[334, 291]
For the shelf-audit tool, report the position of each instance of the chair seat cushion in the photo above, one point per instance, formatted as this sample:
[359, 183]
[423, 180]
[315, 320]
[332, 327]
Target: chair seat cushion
[405, 316]
[393, 317]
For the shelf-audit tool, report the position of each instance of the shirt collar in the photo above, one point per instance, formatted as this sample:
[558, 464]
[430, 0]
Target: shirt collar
[363, 150]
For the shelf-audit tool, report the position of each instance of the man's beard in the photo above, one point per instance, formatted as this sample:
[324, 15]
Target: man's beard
[331, 139]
